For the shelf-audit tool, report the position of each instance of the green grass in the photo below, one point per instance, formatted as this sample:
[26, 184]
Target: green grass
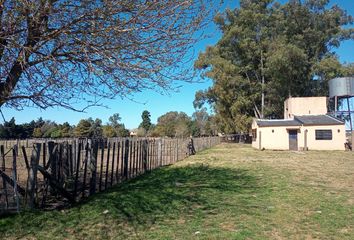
[228, 192]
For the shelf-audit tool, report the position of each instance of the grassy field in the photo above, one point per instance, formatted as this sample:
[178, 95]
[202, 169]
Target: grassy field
[227, 192]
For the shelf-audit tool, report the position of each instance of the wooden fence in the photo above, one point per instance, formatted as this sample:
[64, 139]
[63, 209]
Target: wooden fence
[236, 138]
[50, 174]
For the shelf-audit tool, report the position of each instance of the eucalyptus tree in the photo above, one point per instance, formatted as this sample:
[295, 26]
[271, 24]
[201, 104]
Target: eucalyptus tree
[269, 51]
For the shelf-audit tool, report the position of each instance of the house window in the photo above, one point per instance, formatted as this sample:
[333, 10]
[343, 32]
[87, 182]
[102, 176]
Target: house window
[254, 134]
[323, 134]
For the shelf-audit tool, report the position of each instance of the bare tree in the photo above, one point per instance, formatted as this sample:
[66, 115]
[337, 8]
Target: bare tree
[57, 52]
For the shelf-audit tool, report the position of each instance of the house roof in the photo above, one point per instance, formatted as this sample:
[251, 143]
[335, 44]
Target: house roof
[277, 122]
[318, 120]
[306, 120]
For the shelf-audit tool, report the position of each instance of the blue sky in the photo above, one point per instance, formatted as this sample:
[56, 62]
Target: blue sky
[157, 104]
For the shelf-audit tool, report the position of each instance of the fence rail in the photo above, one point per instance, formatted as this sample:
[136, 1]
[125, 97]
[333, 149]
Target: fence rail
[49, 174]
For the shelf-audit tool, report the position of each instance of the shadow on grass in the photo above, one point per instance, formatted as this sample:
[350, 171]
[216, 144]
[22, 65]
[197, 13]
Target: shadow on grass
[174, 189]
[166, 193]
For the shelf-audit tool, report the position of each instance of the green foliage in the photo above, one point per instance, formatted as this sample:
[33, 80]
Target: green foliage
[83, 128]
[279, 50]
[37, 133]
[122, 131]
[286, 64]
[173, 124]
[66, 130]
[49, 129]
[108, 131]
[203, 124]
[195, 130]
[11, 130]
[348, 70]
[146, 123]
[141, 132]
[96, 130]
[59, 131]
[119, 128]
[114, 120]
[56, 133]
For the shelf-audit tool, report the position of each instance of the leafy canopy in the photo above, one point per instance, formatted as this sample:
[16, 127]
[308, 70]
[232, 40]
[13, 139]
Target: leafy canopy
[268, 52]
[146, 121]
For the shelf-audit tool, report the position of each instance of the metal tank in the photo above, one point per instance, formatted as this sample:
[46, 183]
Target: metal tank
[341, 87]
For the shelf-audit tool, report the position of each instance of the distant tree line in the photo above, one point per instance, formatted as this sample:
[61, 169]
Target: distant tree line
[171, 124]
[178, 124]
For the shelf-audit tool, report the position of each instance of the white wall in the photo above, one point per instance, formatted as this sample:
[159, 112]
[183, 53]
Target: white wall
[271, 138]
[337, 142]
[300, 106]
[277, 138]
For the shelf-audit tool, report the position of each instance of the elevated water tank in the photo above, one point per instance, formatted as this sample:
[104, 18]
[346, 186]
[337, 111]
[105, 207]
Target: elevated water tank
[341, 87]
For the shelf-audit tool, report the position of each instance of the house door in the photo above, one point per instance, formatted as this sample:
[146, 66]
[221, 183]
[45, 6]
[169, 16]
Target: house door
[293, 140]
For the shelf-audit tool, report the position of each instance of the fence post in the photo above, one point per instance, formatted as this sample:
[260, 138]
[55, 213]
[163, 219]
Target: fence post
[17, 145]
[154, 155]
[126, 157]
[177, 149]
[3, 167]
[44, 154]
[2, 151]
[140, 156]
[86, 159]
[145, 145]
[118, 157]
[159, 152]
[150, 156]
[121, 172]
[77, 168]
[107, 164]
[101, 166]
[14, 176]
[53, 158]
[113, 156]
[65, 161]
[130, 159]
[32, 175]
[93, 167]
